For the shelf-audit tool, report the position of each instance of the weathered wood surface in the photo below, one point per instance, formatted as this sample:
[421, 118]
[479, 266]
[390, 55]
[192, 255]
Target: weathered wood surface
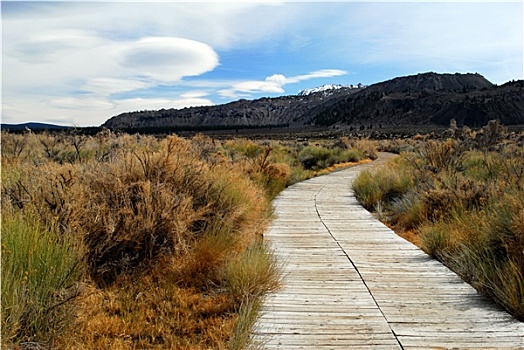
[352, 283]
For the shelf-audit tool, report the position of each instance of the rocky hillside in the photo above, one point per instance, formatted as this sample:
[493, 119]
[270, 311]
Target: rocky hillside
[265, 112]
[429, 98]
[432, 81]
[421, 99]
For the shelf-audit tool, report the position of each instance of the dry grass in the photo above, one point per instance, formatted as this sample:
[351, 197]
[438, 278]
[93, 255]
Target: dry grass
[367, 147]
[152, 314]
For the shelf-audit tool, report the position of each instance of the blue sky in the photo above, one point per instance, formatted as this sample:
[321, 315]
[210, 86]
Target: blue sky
[79, 63]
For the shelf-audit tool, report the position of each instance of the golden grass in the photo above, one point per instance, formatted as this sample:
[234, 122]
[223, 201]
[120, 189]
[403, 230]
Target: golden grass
[149, 314]
[340, 166]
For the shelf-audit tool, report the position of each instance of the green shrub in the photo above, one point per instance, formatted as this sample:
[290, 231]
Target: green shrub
[316, 157]
[383, 185]
[409, 210]
[353, 155]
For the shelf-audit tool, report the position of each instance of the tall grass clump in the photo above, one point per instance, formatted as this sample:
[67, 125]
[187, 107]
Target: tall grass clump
[248, 279]
[40, 271]
[374, 187]
[252, 274]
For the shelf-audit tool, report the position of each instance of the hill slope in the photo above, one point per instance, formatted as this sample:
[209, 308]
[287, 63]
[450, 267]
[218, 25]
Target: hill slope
[264, 112]
[432, 81]
[32, 126]
[428, 98]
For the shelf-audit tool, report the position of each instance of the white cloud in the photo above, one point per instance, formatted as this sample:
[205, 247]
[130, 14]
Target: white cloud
[87, 103]
[194, 94]
[168, 59]
[66, 59]
[272, 84]
[107, 86]
[73, 77]
[51, 45]
[275, 83]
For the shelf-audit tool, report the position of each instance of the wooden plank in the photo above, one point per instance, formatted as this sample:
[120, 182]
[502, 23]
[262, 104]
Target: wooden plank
[351, 283]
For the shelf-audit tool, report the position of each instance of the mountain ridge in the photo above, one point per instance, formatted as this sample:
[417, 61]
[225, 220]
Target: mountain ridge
[327, 88]
[279, 111]
[33, 126]
[470, 99]
[425, 98]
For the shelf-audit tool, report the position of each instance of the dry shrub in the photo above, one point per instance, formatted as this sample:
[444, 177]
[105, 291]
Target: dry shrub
[273, 177]
[486, 247]
[260, 162]
[444, 194]
[160, 221]
[367, 147]
[142, 207]
[206, 148]
[438, 156]
[151, 204]
[398, 146]
[13, 145]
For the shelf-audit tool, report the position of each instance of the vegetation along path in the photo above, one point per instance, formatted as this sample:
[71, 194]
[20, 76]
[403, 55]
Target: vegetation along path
[351, 283]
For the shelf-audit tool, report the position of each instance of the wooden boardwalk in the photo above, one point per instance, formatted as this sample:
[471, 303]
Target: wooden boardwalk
[352, 283]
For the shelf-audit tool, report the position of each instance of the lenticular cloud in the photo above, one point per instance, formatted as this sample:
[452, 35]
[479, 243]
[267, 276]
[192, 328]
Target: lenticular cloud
[168, 59]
